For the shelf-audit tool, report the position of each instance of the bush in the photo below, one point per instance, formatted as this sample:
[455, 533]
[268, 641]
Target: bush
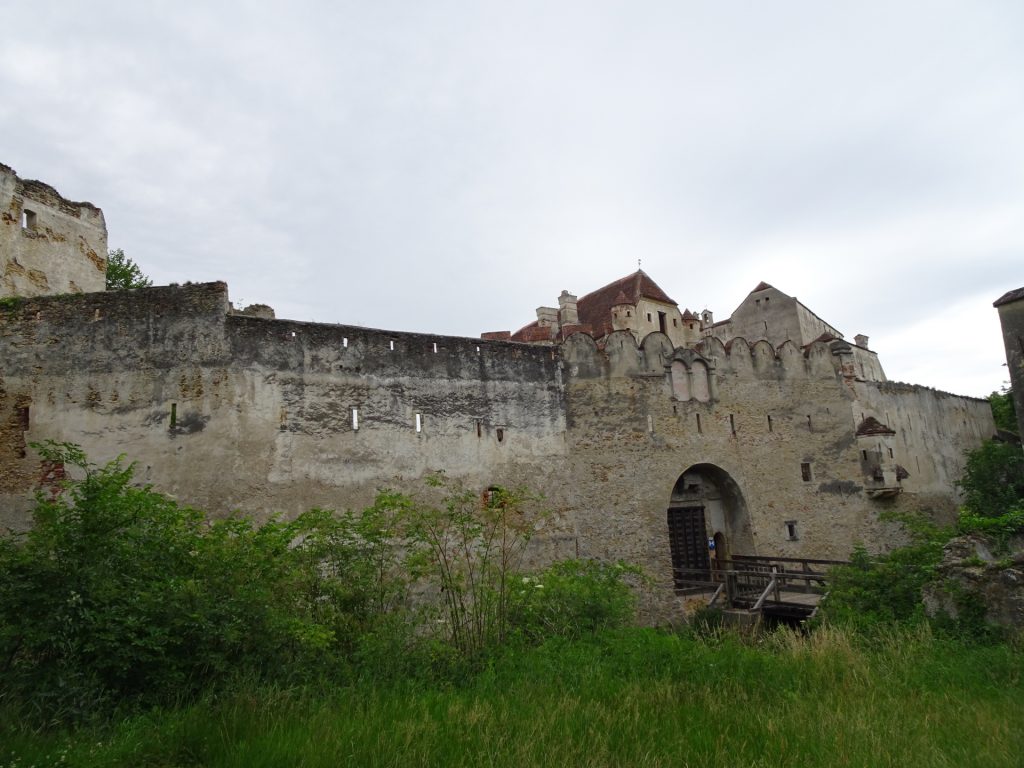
[993, 479]
[572, 598]
[118, 594]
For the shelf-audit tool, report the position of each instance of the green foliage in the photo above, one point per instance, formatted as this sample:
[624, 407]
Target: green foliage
[631, 697]
[993, 479]
[472, 548]
[123, 273]
[573, 598]
[881, 590]
[1004, 411]
[118, 594]
[998, 529]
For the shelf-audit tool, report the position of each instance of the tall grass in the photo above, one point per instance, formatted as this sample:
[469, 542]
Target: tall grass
[626, 698]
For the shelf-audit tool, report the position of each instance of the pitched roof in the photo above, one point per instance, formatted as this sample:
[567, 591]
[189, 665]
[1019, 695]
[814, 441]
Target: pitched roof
[872, 426]
[1009, 297]
[595, 309]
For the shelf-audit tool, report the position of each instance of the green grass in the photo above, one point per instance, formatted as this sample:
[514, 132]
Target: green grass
[630, 698]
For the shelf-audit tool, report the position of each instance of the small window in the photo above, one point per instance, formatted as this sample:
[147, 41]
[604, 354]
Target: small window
[479, 429]
[650, 424]
[805, 471]
[732, 424]
[391, 345]
[791, 530]
[649, 318]
[809, 422]
[435, 347]
[174, 415]
[28, 219]
[890, 454]
[770, 427]
[355, 419]
[675, 322]
[344, 342]
[629, 313]
[501, 434]
[419, 422]
[864, 455]
[23, 418]
[700, 430]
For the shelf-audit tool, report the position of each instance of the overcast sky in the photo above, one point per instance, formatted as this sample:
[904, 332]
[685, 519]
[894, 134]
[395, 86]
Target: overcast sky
[450, 166]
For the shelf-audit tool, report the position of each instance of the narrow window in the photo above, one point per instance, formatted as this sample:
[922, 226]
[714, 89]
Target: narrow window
[757, 302]
[629, 313]
[501, 434]
[766, 326]
[864, 455]
[615, 315]
[890, 454]
[435, 347]
[700, 430]
[661, 322]
[419, 422]
[650, 424]
[23, 417]
[478, 349]
[809, 421]
[649, 317]
[732, 424]
[675, 410]
[28, 219]
[479, 429]
[174, 414]
[791, 530]
[805, 471]
[355, 419]
[675, 323]
[293, 334]
[344, 342]
[770, 427]
[391, 345]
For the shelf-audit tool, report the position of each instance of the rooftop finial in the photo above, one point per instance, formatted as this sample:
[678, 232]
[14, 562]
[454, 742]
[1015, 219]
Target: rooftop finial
[638, 263]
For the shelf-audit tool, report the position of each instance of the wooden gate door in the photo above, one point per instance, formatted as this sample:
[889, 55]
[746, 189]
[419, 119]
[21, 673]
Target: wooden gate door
[687, 538]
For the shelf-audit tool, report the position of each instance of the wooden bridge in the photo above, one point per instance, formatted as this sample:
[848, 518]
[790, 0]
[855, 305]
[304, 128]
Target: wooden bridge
[750, 587]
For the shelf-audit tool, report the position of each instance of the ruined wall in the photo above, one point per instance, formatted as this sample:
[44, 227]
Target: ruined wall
[48, 245]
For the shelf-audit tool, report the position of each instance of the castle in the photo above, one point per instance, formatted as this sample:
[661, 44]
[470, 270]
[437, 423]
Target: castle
[649, 430]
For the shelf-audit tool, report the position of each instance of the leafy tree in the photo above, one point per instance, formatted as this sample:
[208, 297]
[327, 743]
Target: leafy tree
[994, 479]
[1003, 410]
[123, 273]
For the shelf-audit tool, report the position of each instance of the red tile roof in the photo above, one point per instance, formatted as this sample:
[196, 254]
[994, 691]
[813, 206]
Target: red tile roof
[595, 309]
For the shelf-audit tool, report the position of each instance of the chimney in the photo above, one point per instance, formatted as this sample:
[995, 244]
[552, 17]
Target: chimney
[547, 317]
[567, 313]
[861, 340]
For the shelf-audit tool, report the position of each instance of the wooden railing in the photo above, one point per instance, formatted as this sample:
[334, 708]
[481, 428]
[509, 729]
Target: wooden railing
[752, 581]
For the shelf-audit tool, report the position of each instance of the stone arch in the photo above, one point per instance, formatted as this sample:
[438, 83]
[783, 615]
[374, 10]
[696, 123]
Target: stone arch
[706, 503]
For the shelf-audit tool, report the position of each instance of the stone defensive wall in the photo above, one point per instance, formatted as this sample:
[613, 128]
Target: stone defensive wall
[227, 411]
[789, 452]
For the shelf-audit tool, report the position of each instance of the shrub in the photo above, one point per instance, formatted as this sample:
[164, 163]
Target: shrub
[573, 598]
[993, 479]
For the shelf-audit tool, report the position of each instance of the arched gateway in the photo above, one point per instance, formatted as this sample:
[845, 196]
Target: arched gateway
[706, 506]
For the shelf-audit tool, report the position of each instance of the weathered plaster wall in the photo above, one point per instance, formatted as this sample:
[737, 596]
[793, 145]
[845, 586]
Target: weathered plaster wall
[48, 245]
[262, 409]
[236, 412]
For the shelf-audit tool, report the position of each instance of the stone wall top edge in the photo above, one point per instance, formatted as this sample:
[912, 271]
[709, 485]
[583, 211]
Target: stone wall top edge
[46, 189]
[186, 298]
[336, 331]
[900, 387]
